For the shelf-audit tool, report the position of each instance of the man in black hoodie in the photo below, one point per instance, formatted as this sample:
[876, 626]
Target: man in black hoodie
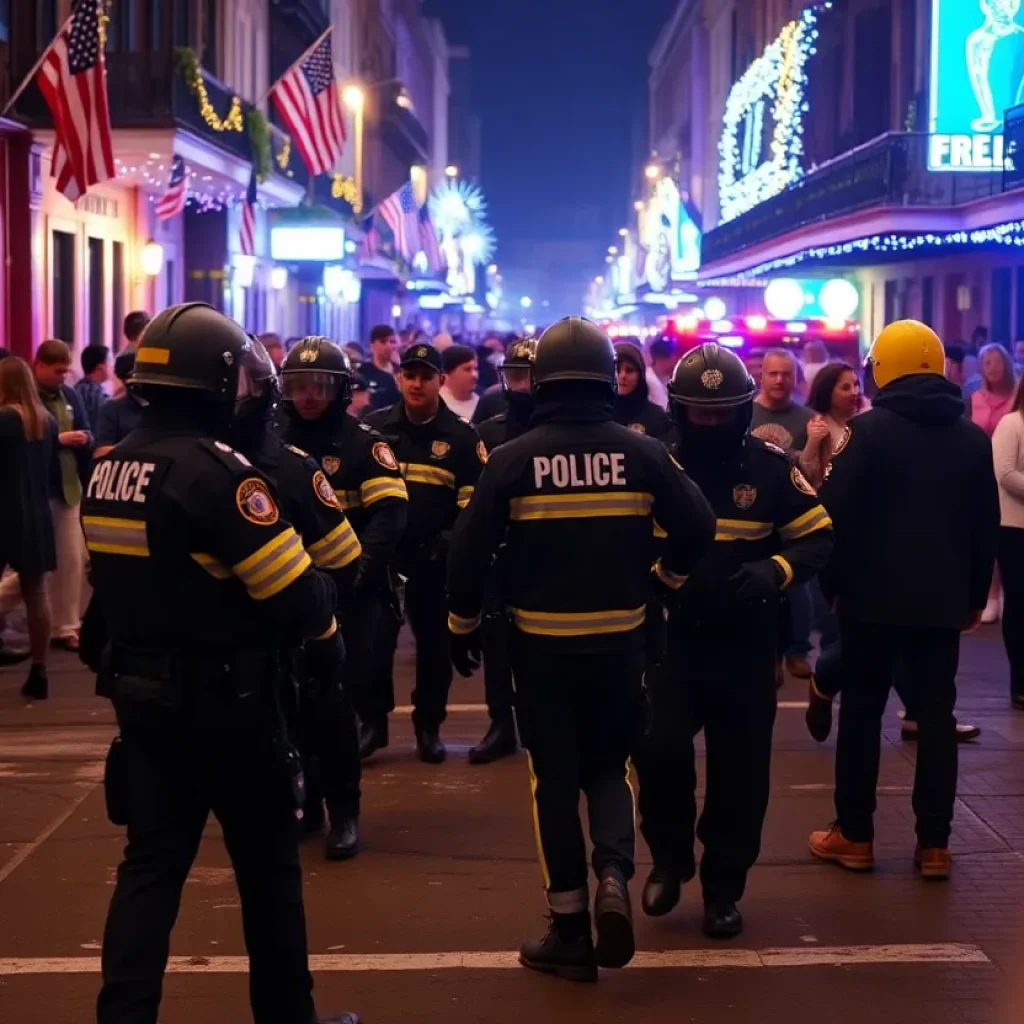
[633, 407]
[911, 491]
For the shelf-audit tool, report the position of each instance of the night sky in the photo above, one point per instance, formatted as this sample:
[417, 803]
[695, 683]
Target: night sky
[560, 86]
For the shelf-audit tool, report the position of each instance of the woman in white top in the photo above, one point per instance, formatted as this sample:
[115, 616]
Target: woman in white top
[1008, 455]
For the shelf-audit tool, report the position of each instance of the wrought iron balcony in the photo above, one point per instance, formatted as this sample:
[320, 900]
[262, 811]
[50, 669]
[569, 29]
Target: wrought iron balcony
[890, 171]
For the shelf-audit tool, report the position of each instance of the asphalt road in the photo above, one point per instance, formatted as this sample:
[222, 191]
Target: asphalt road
[423, 925]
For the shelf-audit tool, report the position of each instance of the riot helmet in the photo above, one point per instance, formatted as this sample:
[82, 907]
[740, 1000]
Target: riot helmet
[574, 356]
[257, 399]
[516, 375]
[316, 378]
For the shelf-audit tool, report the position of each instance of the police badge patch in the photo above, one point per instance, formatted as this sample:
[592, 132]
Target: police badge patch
[331, 464]
[324, 491]
[638, 427]
[439, 449]
[801, 483]
[383, 454]
[481, 452]
[744, 495]
[712, 379]
[255, 503]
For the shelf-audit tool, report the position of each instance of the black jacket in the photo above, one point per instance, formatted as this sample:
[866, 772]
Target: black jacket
[575, 499]
[912, 494]
[639, 413]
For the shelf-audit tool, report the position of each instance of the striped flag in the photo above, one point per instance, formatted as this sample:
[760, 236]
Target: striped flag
[247, 231]
[72, 79]
[308, 99]
[429, 243]
[172, 202]
[400, 213]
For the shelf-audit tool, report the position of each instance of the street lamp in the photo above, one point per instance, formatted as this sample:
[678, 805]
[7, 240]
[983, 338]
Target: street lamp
[612, 250]
[652, 171]
[623, 232]
[526, 302]
[639, 206]
[355, 100]
[152, 258]
[451, 171]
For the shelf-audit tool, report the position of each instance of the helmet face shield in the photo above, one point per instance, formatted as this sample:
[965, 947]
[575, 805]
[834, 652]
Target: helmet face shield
[321, 387]
[516, 378]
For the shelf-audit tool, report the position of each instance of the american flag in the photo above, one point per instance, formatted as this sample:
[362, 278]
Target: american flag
[307, 97]
[72, 79]
[400, 213]
[247, 231]
[172, 202]
[429, 243]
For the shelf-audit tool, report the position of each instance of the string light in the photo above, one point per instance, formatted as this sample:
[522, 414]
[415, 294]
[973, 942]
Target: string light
[345, 188]
[285, 153]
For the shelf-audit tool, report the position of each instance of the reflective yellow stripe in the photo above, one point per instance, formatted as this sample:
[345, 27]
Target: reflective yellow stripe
[816, 519]
[113, 536]
[465, 493]
[536, 822]
[461, 626]
[214, 566]
[578, 623]
[417, 473]
[286, 536]
[742, 529]
[670, 579]
[380, 487]
[339, 548]
[276, 565]
[348, 499]
[581, 506]
[659, 532]
[786, 568]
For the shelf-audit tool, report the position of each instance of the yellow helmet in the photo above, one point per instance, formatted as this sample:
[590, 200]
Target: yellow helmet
[905, 347]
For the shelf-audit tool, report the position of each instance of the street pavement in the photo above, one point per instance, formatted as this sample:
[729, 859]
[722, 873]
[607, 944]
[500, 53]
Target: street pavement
[423, 925]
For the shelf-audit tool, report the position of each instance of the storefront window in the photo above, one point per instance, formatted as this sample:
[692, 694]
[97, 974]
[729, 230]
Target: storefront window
[64, 286]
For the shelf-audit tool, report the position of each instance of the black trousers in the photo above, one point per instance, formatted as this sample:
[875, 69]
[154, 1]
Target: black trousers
[580, 716]
[175, 770]
[1011, 566]
[370, 629]
[930, 659]
[498, 690]
[720, 677]
[426, 608]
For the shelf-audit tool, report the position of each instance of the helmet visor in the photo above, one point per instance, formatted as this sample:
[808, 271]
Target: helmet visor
[255, 372]
[322, 387]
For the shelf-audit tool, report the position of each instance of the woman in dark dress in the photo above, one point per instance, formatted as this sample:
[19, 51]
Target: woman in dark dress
[28, 438]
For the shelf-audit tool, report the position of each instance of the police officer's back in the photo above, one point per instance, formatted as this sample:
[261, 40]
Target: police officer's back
[575, 499]
[203, 585]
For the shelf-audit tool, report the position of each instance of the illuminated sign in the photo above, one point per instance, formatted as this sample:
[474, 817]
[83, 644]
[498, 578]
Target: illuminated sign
[787, 298]
[303, 244]
[977, 72]
[670, 237]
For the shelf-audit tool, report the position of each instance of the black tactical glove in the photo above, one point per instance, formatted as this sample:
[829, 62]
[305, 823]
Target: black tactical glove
[758, 581]
[325, 658]
[466, 651]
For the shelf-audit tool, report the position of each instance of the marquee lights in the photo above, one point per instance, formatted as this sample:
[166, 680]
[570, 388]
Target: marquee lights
[778, 77]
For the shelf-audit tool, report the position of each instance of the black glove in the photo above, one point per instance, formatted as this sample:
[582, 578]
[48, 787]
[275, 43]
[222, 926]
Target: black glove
[325, 658]
[466, 652]
[758, 581]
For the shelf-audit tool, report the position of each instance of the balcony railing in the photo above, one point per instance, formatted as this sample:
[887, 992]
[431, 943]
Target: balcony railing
[890, 171]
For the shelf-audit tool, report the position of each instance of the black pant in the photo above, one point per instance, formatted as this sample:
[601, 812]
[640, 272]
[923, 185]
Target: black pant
[426, 608]
[720, 677]
[370, 628]
[580, 715]
[176, 769]
[497, 670]
[930, 657]
[1011, 566]
[330, 750]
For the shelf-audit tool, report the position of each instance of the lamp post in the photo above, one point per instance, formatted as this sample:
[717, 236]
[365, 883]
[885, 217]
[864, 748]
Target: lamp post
[355, 100]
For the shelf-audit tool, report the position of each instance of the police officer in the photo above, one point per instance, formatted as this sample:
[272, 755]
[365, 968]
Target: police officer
[364, 474]
[327, 723]
[718, 673]
[440, 457]
[204, 585]
[574, 500]
[516, 387]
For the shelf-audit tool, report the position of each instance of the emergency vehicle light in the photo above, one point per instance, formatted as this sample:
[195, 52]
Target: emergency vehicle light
[722, 326]
[731, 341]
[796, 327]
[757, 323]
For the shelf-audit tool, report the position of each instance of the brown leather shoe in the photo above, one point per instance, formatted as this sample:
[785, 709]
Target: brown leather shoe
[932, 862]
[830, 844]
[799, 666]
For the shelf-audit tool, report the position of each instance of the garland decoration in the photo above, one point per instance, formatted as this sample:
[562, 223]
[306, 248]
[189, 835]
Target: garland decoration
[259, 140]
[191, 72]
[345, 188]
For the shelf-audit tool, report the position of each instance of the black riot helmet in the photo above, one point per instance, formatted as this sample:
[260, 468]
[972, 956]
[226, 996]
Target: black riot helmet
[573, 352]
[256, 402]
[319, 366]
[712, 400]
[519, 359]
[520, 355]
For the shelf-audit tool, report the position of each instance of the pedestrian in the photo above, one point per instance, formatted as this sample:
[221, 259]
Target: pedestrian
[461, 373]
[121, 415]
[329, 741]
[441, 457]
[134, 325]
[96, 372]
[574, 499]
[663, 355]
[914, 501]
[718, 673]
[274, 347]
[836, 397]
[633, 407]
[360, 403]
[379, 372]
[204, 588]
[28, 451]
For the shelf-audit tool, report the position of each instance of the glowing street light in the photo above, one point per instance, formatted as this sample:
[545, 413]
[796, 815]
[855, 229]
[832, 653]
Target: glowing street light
[599, 279]
[652, 171]
[354, 97]
[639, 206]
[623, 232]
[526, 302]
[451, 171]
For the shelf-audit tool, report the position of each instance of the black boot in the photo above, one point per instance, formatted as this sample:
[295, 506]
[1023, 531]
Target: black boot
[722, 920]
[661, 892]
[343, 839]
[37, 686]
[613, 917]
[566, 951]
[819, 714]
[499, 742]
[372, 737]
[429, 746]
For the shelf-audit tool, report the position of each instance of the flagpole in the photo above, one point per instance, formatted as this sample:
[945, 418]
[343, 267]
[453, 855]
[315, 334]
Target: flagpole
[323, 35]
[35, 68]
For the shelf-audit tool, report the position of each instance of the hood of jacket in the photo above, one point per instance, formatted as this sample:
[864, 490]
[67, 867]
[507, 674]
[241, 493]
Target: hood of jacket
[923, 398]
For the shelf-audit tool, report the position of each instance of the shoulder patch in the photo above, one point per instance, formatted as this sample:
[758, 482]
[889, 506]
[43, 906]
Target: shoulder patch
[382, 453]
[228, 454]
[439, 449]
[255, 502]
[324, 491]
[638, 427]
[481, 452]
[801, 483]
[297, 451]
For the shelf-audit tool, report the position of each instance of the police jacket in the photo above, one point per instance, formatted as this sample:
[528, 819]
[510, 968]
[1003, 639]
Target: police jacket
[364, 474]
[913, 495]
[440, 461]
[501, 428]
[191, 554]
[309, 503]
[574, 500]
[765, 509]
